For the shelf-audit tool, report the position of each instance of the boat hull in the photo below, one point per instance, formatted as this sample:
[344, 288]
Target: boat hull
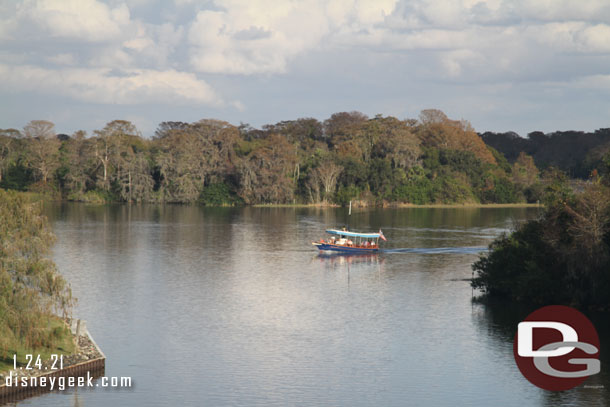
[344, 249]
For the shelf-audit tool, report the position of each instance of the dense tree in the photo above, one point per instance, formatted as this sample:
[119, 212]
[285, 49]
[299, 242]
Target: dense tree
[182, 168]
[348, 156]
[8, 146]
[166, 128]
[132, 175]
[324, 178]
[79, 164]
[561, 258]
[42, 148]
[397, 143]
[39, 129]
[343, 124]
[266, 173]
[574, 152]
[438, 131]
[121, 153]
[525, 173]
[217, 139]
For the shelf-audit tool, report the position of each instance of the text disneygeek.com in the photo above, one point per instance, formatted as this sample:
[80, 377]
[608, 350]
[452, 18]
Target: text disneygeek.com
[61, 383]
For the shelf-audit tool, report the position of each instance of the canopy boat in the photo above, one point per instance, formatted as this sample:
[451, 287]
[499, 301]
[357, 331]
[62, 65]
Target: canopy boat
[350, 242]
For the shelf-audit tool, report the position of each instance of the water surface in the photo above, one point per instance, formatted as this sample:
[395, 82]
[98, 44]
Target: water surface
[234, 307]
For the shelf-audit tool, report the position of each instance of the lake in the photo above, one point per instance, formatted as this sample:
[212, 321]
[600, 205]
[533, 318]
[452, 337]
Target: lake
[234, 307]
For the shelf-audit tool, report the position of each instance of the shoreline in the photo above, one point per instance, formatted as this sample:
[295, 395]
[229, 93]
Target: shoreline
[404, 205]
[469, 205]
[323, 205]
[89, 359]
[356, 204]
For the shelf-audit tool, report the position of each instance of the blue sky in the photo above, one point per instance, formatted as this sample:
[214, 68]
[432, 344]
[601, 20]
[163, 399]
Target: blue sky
[502, 65]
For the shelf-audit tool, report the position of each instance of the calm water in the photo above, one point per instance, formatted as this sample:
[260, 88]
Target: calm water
[234, 307]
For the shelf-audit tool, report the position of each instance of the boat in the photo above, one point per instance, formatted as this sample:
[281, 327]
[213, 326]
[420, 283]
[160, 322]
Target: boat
[350, 242]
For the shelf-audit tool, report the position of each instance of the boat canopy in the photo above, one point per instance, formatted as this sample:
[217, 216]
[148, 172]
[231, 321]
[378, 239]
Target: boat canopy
[353, 234]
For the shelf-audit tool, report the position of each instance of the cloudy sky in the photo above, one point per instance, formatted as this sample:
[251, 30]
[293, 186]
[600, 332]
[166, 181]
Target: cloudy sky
[518, 65]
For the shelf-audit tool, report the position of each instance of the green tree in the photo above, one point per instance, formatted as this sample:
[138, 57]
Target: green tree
[437, 130]
[324, 175]
[525, 173]
[107, 146]
[266, 173]
[8, 144]
[42, 148]
[563, 257]
[79, 163]
[182, 169]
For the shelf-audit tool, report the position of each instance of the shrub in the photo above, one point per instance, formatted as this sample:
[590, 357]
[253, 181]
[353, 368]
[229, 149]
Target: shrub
[219, 194]
[31, 289]
[563, 257]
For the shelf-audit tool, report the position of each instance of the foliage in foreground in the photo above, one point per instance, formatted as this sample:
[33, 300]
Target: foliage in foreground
[561, 258]
[32, 293]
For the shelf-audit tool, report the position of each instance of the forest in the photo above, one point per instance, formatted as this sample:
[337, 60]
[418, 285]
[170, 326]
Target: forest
[349, 156]
[563, 256]
[577, 153]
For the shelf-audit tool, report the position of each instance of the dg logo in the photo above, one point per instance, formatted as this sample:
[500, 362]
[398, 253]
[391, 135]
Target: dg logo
[557, 348]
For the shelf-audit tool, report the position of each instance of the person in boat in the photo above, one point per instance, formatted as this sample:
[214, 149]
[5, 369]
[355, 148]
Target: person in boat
[366, 243]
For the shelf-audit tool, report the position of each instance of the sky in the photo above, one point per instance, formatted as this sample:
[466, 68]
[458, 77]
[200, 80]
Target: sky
[514, 65]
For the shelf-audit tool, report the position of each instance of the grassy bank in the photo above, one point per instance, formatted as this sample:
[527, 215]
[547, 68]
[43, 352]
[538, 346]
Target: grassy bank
[32, 292]
[63, 344]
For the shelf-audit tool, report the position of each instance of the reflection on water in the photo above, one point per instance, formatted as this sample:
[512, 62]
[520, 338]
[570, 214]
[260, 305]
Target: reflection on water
[439, 250]
[234, 306]
[499, 322]
[367, 258]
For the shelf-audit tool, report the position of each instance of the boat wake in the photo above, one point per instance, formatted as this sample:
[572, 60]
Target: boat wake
[439, 250]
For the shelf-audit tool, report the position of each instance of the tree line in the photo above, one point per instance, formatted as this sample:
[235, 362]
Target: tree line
[349, 156]
[577, 153]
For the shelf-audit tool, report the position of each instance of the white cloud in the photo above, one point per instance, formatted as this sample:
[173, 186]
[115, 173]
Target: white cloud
[595, 38]
[141, 51]
[258, 37]
[111, 57]
[105, 86]
[84, 20]
[560, 10]
[248, 37]
[155, 43]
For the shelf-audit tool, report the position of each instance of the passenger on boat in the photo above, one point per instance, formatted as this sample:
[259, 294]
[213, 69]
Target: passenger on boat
[366, 243]
[350, 243]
